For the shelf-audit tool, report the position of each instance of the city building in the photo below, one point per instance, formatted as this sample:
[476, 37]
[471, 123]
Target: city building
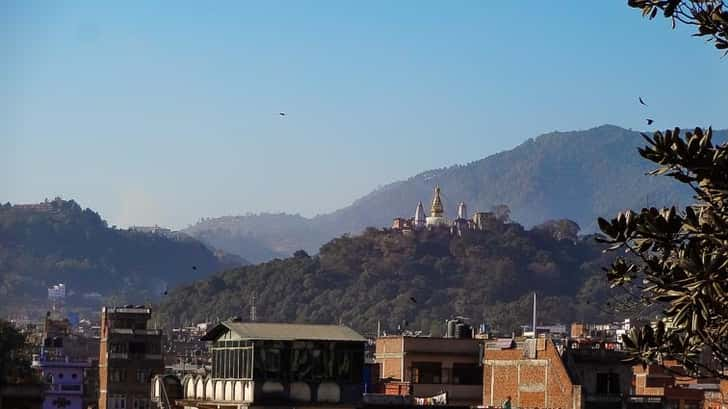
[426, 366]
[717, 399]
[601, 369]
[611, 332]
[671, 386]
[531, 372]
[130, 355]
[63, 378]
[62, 364]
[275, 364]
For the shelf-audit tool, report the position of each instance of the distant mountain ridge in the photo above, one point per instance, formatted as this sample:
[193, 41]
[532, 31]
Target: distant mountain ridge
[579, 175]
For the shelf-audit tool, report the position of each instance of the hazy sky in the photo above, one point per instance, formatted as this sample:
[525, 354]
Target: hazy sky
[167, 112]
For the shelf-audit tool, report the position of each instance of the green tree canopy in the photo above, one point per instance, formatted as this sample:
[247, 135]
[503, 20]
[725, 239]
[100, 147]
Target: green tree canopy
[680, 258]
[14, 354]
[710, 17]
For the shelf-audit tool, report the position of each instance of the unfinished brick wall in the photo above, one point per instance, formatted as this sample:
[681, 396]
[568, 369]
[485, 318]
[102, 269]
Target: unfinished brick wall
[541, 382]
[389, 353]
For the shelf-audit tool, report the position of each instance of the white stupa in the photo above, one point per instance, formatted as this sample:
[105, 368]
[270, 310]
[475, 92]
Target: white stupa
[420, 219]
[462, 211]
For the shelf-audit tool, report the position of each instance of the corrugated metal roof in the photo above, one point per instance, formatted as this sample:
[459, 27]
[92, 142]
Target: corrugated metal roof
[286, 332]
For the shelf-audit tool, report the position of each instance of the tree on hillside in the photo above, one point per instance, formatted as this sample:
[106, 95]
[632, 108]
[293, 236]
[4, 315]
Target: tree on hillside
[679, 259]
[710, 17]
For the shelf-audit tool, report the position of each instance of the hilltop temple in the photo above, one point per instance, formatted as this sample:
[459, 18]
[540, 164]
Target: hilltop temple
[438, 218]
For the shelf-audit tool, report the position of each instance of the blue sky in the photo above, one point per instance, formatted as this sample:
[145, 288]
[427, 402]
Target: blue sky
[166, 112]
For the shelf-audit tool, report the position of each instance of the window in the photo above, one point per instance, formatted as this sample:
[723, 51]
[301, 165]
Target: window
[608, 383]
[232, 360]
[143, 375]
[117, 375]
[466, 374]
[74, 376]
[137, 348]
[117, 348]
[116, 401]
[426, 372]
[154, 348]
[141, 403]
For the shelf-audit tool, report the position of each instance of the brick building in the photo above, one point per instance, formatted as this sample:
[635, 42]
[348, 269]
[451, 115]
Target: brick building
[425, 366]
[717, 399]
[531, 372]
[130, 355]
[671, 383]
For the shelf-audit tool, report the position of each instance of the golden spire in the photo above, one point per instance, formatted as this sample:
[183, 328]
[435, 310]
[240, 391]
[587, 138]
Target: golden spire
[436, 210]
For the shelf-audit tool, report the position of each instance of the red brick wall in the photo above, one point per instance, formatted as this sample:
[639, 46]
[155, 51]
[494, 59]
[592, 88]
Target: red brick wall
[542, 382]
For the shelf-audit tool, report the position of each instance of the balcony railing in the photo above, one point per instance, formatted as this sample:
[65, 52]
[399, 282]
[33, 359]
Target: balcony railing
[450, 376]
[65, 388]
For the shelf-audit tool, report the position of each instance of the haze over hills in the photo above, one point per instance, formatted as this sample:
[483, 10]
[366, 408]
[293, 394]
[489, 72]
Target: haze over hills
[59, 242]
[578, 175]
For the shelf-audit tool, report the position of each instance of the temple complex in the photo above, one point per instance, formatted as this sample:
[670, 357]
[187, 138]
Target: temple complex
[438, 217]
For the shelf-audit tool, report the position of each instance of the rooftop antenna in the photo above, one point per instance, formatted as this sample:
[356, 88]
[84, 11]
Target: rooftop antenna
[252, 307]
[534, 314]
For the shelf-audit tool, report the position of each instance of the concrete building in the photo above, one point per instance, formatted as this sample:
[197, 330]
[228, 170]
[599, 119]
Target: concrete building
[64, 380]
[62, 364]
[259, 364]
[531, 372]
[425, 366]
[130, 355]
[601, 370]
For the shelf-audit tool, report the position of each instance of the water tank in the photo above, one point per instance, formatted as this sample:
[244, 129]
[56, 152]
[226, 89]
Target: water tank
[459, 328]
[451, 324]
[467, 331]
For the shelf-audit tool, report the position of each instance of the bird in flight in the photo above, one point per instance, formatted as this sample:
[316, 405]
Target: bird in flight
[194, 267]
[281, 114]
[641, 101]
[413, 299]
[649, 121]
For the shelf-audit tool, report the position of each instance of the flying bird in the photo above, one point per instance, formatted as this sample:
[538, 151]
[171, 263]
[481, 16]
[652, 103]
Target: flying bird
[194, 267]
[281, 114]
[641, 101]
[649, 121]
[165, 292]
[413, 299]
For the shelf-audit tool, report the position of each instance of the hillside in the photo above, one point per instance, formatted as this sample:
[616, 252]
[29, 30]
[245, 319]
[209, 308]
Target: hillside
[423, 278]
[58, 241]
[579, 175]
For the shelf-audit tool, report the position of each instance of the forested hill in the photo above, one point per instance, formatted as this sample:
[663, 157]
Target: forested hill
[59, 242]
[420, 279]
[579, 175]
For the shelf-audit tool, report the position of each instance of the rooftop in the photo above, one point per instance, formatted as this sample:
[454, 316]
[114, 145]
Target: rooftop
[284, 332]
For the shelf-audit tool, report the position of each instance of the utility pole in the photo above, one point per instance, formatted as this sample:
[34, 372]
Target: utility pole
[534, 314]
[252, 308]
